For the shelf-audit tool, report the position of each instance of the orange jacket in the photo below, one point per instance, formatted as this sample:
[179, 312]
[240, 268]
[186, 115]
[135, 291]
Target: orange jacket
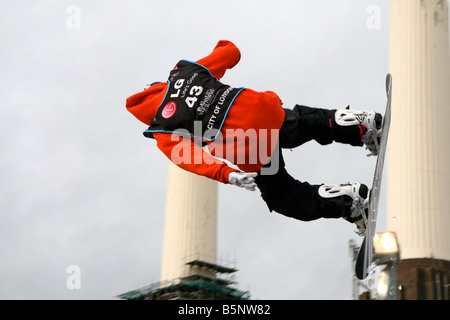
[248, 135]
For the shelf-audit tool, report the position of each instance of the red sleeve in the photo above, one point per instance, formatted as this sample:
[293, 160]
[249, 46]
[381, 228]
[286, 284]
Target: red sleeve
[224, 56]
[191, 157]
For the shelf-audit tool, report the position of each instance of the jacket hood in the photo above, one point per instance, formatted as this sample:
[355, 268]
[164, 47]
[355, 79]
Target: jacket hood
[143, 105]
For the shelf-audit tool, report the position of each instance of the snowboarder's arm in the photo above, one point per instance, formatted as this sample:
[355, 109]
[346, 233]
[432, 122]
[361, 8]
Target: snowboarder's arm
[224, 56]
[191, 157]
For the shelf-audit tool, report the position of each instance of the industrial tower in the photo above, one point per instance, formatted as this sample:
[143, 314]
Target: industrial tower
[189, 268]
[418, 164]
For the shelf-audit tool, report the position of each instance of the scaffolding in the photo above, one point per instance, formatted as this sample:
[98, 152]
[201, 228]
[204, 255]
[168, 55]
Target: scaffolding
[201, 283]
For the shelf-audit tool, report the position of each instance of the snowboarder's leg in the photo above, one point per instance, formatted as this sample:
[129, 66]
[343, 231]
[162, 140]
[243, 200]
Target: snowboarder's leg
[303, 124]
[369, 122]
[359, 208]
[303, 201]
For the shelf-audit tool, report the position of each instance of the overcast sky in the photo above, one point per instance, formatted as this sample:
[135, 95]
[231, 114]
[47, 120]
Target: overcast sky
[81, 186]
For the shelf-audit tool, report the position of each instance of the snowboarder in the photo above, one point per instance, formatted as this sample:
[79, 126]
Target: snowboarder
[235, 135]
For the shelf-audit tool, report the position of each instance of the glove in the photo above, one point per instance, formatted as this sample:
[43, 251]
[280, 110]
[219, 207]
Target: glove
[243, 179]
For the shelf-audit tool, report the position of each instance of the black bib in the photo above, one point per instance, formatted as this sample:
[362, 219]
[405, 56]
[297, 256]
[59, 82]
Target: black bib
[196, 103]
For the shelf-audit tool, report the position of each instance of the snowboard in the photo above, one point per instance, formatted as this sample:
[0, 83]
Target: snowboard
[365, 254]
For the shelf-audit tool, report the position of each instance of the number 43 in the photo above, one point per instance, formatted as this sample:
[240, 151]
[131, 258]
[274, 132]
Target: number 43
[194, 92]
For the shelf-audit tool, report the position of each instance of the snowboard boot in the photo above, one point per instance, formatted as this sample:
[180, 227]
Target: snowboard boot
[369, 123]
[359, 206]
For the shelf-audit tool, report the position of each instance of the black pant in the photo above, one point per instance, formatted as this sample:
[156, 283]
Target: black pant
[300, 200]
